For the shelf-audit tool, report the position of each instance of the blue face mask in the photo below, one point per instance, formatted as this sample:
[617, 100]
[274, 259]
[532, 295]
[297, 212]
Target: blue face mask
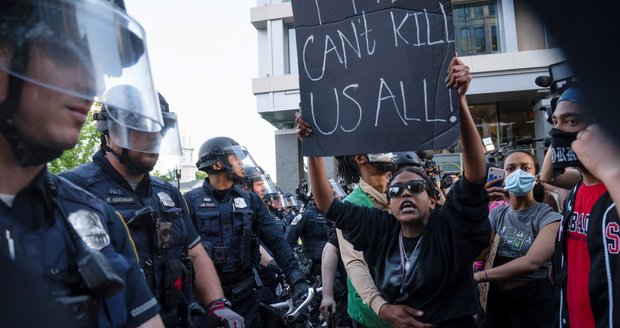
[519, 183]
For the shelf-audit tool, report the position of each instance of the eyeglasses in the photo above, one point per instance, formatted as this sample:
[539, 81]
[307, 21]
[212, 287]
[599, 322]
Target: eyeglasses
[414, 187]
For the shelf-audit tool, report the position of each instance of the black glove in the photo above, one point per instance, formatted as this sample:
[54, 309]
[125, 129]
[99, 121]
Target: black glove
[300, 291]
[272, 266]
[220, 315]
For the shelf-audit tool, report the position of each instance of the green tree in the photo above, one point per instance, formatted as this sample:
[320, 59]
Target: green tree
[168, 176]
[200, 175]
[83, 151]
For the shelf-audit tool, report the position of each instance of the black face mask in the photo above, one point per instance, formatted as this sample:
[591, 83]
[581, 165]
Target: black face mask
[562, 154]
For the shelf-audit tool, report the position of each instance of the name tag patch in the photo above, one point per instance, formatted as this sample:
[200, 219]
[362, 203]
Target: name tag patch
[120, 200]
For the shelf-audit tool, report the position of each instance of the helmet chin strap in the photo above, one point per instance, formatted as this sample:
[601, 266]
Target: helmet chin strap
[123, 158]
[27, 154]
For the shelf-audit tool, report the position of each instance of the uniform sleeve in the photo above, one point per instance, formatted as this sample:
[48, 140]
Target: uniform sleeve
[141, 305]
[190, 208]
[75, 179]
[271, 236]
[193, 238]
[295, 229]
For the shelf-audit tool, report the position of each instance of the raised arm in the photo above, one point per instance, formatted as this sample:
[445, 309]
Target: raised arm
[566, 180]
[321, 190]
[600, 155]
[459, 78]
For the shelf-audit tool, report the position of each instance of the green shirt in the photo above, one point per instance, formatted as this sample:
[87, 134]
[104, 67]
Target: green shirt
[357, 309]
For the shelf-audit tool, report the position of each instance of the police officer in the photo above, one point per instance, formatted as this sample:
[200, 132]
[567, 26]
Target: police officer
[313, 229]
[231, 222]
[74, 259]
[275, 201]
[291, 207]
[157, 216]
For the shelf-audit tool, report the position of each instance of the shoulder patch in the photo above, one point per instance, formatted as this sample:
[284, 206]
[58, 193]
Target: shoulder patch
[88, 225]
[165, 199]
[296, 219]
[240, 202]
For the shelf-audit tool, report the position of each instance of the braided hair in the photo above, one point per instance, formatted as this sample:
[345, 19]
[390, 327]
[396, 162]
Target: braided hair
[347, 169]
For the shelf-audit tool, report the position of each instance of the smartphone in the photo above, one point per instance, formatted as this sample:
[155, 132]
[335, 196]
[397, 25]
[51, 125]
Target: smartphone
[496, 173]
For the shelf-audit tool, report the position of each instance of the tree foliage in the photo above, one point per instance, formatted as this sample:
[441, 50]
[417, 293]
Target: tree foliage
[83, 151]
[168, 176]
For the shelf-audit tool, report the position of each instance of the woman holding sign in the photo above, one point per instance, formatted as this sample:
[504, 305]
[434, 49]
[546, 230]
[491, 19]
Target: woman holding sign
[421, 254]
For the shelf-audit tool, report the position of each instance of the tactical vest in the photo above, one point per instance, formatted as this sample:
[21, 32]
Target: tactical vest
[49, 252]
[227, 231]
[162, 247]
[281, 221]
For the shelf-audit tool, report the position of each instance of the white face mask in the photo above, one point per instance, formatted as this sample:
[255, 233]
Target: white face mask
[519, 183]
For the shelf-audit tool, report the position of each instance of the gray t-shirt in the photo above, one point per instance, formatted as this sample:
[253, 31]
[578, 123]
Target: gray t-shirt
[517, 231]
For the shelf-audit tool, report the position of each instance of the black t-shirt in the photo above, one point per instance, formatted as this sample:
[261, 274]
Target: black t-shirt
[440, 281]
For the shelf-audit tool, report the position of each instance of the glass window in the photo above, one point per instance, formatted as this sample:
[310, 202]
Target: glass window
[492, 9]
[494, 45]
[290, 65]
[478, 11]
[483, 37]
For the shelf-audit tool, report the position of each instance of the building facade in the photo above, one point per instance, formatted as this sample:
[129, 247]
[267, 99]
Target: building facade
[504, 44]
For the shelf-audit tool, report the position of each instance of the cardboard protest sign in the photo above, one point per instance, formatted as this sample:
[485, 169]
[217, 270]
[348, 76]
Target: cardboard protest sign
[371, 75]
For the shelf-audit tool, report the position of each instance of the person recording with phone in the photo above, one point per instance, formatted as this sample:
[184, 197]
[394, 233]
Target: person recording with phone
[520, 294]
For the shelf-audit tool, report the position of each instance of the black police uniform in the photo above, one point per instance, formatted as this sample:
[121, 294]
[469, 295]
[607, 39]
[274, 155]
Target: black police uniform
[231, 223]
[36, 240]
[313, 229]
[280, 217]
[162, 239]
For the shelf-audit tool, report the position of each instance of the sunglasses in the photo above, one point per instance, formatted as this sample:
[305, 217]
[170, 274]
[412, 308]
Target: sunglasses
[414, 187]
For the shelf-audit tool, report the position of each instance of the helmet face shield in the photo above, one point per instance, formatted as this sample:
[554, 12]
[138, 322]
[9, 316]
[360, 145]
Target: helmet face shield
[262, 185]
[90, 46]
[380, 158]
[337, 191]
[171, 140]
[291, 202]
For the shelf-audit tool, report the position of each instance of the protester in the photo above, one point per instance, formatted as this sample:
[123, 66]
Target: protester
[68, 252]
[521, 294]
[369, 173]
[587, 248]
[422, 254]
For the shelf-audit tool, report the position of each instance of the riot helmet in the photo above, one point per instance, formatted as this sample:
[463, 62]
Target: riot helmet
[337, 190]
[292, 202]
[259, 182]
[407, 158]
[166, 141]
[219, 149]
[275, 199]
[77, 48]
[148, 138]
